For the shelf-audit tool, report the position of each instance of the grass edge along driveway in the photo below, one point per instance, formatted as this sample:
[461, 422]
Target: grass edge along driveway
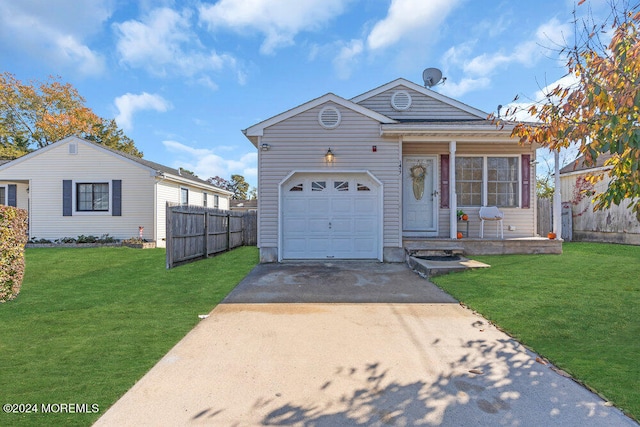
[580, 310]
[90, 322]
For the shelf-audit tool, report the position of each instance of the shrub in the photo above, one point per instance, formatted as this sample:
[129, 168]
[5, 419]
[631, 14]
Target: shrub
[13, 237]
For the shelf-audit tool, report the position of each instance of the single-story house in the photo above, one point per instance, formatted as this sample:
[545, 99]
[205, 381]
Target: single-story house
[76, 187]
[358, 178]
[241, 205]
[617, 224]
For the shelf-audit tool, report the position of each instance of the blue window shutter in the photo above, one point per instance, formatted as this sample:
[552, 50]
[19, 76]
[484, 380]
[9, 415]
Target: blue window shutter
[12, 195]
[526, 181]
[67, 197]
[116, 194]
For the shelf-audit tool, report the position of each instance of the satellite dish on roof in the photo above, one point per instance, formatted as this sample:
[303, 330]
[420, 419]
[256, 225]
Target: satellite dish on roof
[431, 77]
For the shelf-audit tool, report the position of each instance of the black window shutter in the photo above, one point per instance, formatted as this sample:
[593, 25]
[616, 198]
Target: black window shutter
[116, 194]
[12, 195]
[67, 198]
[526, 180]
[444, 181]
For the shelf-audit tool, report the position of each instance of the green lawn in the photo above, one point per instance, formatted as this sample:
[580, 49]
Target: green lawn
[89, 323]
[580, 310]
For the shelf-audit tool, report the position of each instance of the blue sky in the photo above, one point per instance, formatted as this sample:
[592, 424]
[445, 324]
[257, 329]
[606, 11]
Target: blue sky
[183, 78]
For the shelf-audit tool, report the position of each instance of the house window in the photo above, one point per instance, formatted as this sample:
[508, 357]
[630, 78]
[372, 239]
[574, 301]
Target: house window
[92, 197]
[502, 181]
[204, 199]
[487, 181]
[469, 181]
[184, 196]
[216, 201]
[3, 195]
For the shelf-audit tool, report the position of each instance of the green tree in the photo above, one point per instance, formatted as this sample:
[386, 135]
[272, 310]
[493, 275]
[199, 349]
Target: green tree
[600, 113]
[239, 187]
[106, 132]
[36, 114]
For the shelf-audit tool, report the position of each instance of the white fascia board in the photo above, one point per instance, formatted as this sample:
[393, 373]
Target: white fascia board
[183, 180]
[258, 129]
[421, 89]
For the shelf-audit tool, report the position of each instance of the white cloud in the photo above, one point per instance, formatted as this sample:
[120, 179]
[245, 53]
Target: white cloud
[163, 43]
[464, 86]
[206, 163]
[129, 103]
[478, 69]
[346, 58]
[406, 17]
[278, 21]
[55, 34]
[520, 109]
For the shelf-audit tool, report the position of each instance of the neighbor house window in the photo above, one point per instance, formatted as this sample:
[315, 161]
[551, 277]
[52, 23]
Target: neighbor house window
[92, 197]
[184, 196]
[3, 195]
[487, 181]
[216, 201]
[204, 199]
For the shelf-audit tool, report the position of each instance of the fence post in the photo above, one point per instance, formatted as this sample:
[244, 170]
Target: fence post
[169, 236]
[206, 234]
[228, 231]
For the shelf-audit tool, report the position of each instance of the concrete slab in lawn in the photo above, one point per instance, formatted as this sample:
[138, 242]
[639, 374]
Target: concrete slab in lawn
[337, 363]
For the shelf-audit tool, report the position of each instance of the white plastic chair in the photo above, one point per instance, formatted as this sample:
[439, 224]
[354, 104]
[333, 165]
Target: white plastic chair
[491, 213]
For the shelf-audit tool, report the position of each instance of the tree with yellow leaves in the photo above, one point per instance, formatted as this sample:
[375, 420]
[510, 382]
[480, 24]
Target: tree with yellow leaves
[599, 113]
[36, 114]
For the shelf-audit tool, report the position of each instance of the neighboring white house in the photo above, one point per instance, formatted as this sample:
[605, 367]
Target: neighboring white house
[356, 178]
[617, 224]
[76, 187]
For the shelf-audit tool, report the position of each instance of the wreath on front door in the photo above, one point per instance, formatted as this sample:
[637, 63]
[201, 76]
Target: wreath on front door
[418, 172]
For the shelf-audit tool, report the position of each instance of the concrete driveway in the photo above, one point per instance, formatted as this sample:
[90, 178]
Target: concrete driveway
[352, 344]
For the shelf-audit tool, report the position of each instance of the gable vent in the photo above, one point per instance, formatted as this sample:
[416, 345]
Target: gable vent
[329, 117]
[73, 148]
[401, 100]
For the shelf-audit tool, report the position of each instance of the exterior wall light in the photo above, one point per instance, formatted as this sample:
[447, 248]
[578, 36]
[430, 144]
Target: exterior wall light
[265, 147]
[329, 156]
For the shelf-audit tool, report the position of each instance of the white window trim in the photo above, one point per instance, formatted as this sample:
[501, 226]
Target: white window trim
[485, 181]
[180, 195]
[74, 200]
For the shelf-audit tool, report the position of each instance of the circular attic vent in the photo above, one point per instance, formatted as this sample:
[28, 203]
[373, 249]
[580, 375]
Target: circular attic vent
[329, 117]
[401, 100]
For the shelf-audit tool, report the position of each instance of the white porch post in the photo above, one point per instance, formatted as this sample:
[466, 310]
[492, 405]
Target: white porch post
[557, 197]
[453, 200]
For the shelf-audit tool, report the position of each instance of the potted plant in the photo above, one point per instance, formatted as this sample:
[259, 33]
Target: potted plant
[462, 216]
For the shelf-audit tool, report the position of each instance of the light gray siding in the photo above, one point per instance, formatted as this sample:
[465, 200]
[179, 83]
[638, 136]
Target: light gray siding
[300, 143]
[422, 107]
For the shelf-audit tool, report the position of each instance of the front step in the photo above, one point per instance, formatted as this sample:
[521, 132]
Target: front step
[430, 268]
[432, 248]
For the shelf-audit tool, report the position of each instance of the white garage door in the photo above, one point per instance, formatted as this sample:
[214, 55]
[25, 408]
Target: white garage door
[331, 216]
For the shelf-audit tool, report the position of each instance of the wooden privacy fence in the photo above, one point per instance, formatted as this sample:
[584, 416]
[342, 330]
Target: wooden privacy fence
[545, 216]
[196, 232]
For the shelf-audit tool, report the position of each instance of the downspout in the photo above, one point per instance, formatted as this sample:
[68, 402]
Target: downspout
[453, 199]
[155, 202]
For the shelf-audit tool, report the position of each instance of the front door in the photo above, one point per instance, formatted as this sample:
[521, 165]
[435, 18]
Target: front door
[419, 196]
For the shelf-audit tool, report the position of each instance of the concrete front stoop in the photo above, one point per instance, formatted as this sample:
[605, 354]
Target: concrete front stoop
[431, 268]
